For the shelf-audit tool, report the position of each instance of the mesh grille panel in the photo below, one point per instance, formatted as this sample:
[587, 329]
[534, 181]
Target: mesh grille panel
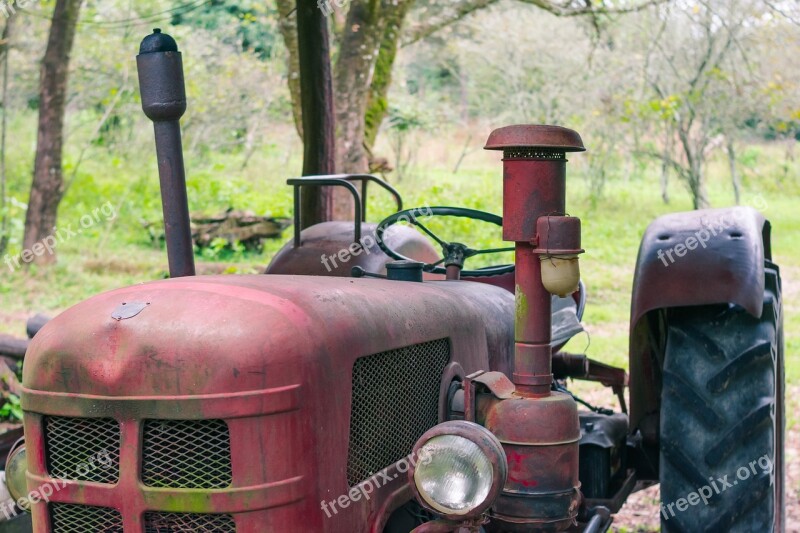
[69, 518]
[83, 449]
[395, 400]
[189, 454]
[188, 523]
[526, 152]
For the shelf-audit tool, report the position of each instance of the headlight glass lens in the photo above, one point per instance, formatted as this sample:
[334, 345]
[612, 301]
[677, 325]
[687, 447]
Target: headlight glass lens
[16, 467]
[452, 474]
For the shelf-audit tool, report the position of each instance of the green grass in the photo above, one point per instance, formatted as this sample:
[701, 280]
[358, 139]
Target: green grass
[118, 253]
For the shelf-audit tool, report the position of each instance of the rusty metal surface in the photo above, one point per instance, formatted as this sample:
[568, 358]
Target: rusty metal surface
[535, 136]
[540, 437]
[505, 281]
[444, 526]
[361, 196]
[539, 429]
[313, 182]
[617, 500]
[533, 324]
[327, 249]
[532, 188]
[578, 366]
[261, 353]
[558, 235]
[727, 268]
[498, 383]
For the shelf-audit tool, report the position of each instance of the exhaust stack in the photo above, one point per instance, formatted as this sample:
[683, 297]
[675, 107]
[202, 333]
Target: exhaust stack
[164, 101]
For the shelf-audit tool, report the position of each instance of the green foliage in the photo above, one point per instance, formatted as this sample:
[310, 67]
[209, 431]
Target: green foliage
[405, 120]
[11, 410]
[10, 407]
[254, 21]
[220, 249]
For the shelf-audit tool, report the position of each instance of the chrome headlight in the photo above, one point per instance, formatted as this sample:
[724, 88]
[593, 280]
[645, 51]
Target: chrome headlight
[16, 467]
[459, 469]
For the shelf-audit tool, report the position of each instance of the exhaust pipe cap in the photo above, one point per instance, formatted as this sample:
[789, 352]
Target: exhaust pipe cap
[158, 42]
[535, 136]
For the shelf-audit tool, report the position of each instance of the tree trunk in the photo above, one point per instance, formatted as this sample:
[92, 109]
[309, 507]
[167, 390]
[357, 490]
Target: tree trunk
[667, 154]
[695, 163]
[665, 181]
[317, 110]
[358, 53]
[377, 101]
[698, 187]
[355, 67]
[5, 49]
[47, 188]
[368, 46]
[731, 149]
[288, 29]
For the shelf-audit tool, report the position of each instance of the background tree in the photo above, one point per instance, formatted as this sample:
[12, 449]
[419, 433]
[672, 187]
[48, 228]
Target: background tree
[694, 84]
[48, 182]
[317, 109]
[367, 39]
[5, 49]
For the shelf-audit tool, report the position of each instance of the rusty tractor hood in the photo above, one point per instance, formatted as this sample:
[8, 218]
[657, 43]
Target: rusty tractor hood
[225, 334]
[273, 357]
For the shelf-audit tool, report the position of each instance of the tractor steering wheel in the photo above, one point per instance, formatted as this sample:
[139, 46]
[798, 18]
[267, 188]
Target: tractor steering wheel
[453, 254]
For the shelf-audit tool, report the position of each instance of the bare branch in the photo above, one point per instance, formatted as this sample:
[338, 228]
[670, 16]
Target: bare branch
[665, 158]
[468, 7]
[589, 9]
[782, 9]
[423, 31]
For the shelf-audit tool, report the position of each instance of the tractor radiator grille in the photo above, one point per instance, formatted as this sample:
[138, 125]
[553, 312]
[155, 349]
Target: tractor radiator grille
[82, 449]
[188, 523]
[395, 400]
[69, 518]
[186, 454]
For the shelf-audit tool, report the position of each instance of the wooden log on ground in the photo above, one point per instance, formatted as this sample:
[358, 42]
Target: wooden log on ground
[13, 347]
[243, 227]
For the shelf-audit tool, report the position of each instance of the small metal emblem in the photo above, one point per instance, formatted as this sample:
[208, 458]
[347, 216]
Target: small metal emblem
[128, 310]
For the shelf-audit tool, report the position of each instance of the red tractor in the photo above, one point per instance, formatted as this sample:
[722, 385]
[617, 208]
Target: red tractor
[392, 390]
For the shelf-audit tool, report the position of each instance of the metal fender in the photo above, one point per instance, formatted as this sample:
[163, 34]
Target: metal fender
[703, 257]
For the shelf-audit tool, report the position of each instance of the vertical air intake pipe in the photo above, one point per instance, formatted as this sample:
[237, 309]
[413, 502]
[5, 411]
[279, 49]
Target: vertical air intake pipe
[537, 427]
[164, 101]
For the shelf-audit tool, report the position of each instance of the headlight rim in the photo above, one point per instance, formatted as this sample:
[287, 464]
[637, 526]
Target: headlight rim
[17, 449]
[488, 444]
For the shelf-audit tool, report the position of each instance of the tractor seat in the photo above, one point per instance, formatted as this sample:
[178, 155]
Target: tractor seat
[328, 249]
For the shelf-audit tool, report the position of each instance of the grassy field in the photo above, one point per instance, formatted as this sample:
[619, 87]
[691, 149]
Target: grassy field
[117, 252]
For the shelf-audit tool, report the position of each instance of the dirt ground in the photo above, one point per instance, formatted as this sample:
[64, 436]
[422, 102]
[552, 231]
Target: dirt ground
[640, 512]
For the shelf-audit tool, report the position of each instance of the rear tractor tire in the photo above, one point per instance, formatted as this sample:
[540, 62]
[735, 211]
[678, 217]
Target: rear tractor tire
[721, 459]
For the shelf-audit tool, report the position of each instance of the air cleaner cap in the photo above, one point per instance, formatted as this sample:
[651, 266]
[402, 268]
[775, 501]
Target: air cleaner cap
[158, 42]
[546, 137]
